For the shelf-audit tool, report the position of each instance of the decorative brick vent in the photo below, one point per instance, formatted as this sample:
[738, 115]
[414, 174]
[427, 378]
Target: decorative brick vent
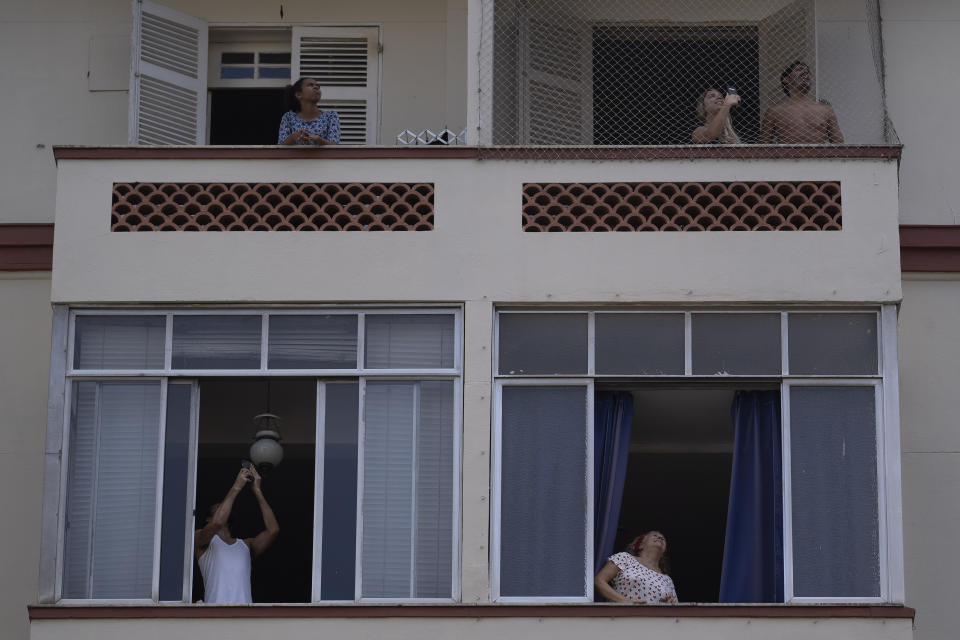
[244, 206]
[682, 206]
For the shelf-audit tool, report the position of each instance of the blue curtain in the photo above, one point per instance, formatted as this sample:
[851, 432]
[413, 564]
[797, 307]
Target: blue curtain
[613, 419]
[753, 548]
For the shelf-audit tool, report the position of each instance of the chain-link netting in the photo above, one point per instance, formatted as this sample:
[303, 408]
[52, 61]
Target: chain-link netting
[681, 72]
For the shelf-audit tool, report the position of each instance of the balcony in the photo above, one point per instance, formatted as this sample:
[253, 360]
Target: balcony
[671, 225]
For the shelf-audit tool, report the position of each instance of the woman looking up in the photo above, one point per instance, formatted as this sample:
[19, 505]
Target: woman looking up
[637, 574]
[305, 123]
[713, 108]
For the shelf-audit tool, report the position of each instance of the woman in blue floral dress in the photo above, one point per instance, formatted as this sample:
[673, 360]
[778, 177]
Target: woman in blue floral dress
[305, 123]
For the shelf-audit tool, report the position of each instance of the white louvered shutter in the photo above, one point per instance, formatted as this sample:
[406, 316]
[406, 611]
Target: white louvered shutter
[345, 62]
[169, 87]
[555, 86]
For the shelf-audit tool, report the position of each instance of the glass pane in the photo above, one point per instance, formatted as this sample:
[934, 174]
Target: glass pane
[409, 341]
[176, 460]
[119, 342]
[275, 58]
[543, 489]
[433, 544]
[236, 57]
[833, 443]
[833, 343]
[639, 343]
[111, 490]
[275, 72]
[216, 342]
[408, 490]
[388, 489]
[236, 72]
[313, 342]
[342, 412]
[543, 343]
[736, 344]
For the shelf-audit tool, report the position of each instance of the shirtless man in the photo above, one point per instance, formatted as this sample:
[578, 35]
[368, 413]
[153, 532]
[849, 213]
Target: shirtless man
[225, 561]
[799, 119]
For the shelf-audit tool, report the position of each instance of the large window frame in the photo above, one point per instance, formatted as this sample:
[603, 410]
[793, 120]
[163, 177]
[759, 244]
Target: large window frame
[884, 382]
[63, 384]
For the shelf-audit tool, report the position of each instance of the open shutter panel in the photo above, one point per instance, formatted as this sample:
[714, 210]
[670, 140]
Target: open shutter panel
[169, 86]
[555, 91]
[344, 60]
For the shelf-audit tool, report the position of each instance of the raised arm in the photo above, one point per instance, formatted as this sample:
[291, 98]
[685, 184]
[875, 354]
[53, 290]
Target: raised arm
[601, 583]
[265, 538]
[834, 135]
[712, 129]
[203, 536]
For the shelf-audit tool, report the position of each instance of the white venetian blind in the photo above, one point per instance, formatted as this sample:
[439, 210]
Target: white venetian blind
[407, 490]
[345, 62]
[168, 96]
[409, 341]
[111, 490]
[119, 342]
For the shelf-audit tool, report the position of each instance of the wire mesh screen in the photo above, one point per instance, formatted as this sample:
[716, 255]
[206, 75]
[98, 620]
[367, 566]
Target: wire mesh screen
[680, 72]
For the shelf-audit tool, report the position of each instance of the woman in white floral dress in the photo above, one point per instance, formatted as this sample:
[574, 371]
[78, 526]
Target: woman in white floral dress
[636, 575]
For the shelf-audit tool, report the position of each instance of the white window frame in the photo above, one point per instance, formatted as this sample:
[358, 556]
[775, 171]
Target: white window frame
[168, 376]
[496, 487]
[887, 426]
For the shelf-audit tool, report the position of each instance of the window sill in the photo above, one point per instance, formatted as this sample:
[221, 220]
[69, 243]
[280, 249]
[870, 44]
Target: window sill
[190, 611]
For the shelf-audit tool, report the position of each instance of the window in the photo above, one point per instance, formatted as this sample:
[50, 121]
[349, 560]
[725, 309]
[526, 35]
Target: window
[161, 407]
[180, 64]
[687, 382]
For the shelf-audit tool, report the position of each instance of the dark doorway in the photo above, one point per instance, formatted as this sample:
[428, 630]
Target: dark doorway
[246, 116]
[284, 573]
[646, 81]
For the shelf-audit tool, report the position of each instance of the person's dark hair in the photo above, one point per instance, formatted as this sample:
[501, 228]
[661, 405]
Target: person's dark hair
[790, 67]
[293, 103]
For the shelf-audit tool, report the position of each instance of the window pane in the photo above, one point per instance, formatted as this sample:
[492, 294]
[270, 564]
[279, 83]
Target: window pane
[216, 342]
[313, 342]
[227, 73]
[275, 72]
[342, 412]
[433, 568]
[236, 57]
[833, 343]
[111, 490]
[176, 456]
[543, 343]
[639, 343]
[543, 489]
[409, 341]
[736, 344]
[833, 442]
[119, 342]
[408, 490]
[275, 58]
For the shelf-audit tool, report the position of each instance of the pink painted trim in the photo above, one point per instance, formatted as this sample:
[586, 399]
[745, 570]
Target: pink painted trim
[472, 153]
[26, 247]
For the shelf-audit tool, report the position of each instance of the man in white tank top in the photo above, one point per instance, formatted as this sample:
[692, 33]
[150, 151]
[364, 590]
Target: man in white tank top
[224, 560]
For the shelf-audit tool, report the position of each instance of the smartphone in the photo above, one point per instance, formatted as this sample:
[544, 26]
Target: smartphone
[731, 90]
[245, 464]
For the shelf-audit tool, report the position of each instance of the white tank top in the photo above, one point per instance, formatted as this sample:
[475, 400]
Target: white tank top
[226, 572]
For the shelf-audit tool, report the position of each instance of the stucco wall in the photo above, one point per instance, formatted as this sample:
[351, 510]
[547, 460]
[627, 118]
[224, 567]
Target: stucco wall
[481, 629]
[24, 365]
[478, 250]
[929, 371]
[69, 64]
[921, 45]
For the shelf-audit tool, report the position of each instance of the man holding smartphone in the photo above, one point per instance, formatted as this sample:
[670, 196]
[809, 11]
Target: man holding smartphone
[225, 561]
